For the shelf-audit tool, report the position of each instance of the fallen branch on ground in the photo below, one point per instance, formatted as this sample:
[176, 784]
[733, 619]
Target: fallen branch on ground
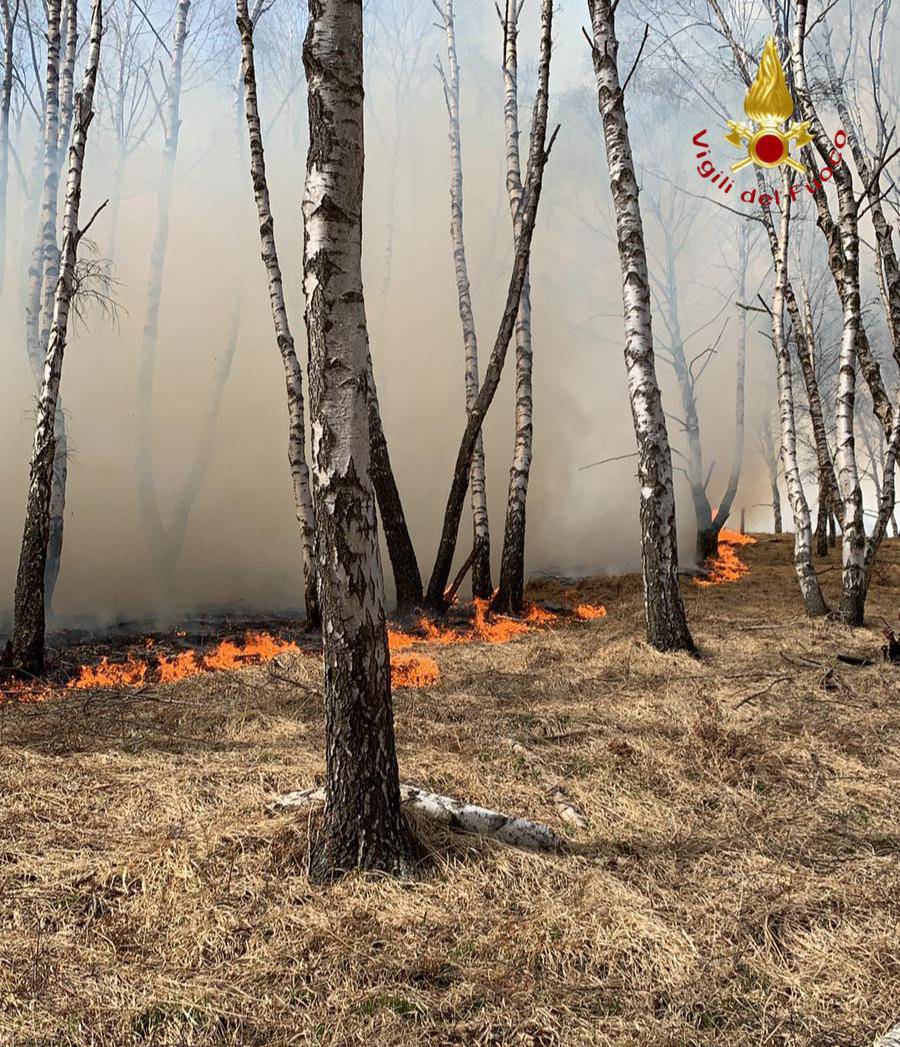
[467, 817]
[890, 1038]
[565, 805]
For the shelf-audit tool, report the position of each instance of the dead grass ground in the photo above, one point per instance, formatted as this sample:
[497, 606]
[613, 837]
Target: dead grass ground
[738, 883]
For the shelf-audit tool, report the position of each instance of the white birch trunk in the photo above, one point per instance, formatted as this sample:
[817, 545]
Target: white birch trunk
[29, 625]
[283, 337]
[482, 586]
[806, 575]
[537, 159]
[854, 582]
[364, 824]
[510, 595]
[466, 817]
[45, 250]
[667, 627]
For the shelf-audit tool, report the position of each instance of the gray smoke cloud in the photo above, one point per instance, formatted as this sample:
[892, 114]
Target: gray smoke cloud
[241, 545]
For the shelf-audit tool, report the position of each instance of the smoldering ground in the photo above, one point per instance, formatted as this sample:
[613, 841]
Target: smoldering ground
[240, 547]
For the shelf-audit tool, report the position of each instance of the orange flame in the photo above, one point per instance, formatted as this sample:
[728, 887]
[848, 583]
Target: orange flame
[726, 566]
[256, 648]
[414, 670]
[408, 668]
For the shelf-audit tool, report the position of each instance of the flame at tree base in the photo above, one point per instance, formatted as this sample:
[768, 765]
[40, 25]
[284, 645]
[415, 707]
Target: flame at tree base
[726, 566]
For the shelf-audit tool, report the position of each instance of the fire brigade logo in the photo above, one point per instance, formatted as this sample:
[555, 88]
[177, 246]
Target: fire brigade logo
[769, 106]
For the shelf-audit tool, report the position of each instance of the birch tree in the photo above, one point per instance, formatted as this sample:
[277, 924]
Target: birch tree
[8, 26]
[768, 444]
[129, 99]
[283, 337]
[806, 574]
[482, 585]
[854, 580]
[147, 361]
[510, 592]
[45, 248]
[675, 219]
[539, 152]
[667, 627]
[364, 826]
[29, 610]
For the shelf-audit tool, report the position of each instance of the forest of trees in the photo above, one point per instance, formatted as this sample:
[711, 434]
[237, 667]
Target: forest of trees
[825, 406]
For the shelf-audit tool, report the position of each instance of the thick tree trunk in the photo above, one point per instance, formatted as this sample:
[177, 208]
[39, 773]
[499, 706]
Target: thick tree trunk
[667, 627]
[482, 586]
[537, 159]
[854, 581]
[283, 337]
[776, 504]
[364, 825]
[510, 596]
[806, 575]
[29, 624]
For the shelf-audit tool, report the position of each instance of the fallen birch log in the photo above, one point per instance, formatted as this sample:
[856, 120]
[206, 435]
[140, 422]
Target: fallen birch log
[890, 1038]
[467, 817]
[568, 810]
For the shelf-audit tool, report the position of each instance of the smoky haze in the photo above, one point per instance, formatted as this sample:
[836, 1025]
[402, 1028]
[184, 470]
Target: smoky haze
[241, 548]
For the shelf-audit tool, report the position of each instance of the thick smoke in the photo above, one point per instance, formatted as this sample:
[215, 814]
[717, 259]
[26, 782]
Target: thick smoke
[241, 545]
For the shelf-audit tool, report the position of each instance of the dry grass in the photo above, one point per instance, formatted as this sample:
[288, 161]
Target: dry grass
[738, 883]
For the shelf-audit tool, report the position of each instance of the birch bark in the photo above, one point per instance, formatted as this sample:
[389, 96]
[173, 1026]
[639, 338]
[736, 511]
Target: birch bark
[667, 627]
[29, 623]
[510, 594]
[854, 582]
[806, 575]
[283, 337]
[49, 279]
[537, 159]
[45, 246]
[364, 826]
[482, 585]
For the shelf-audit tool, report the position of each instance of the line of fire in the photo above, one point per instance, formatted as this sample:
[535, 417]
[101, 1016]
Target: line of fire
[450, 548]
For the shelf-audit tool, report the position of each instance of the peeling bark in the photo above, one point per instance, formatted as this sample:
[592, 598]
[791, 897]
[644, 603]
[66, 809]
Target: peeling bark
[364, 826]
[667, 627]
[283, 337]
[854, 580]
[29, 621]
